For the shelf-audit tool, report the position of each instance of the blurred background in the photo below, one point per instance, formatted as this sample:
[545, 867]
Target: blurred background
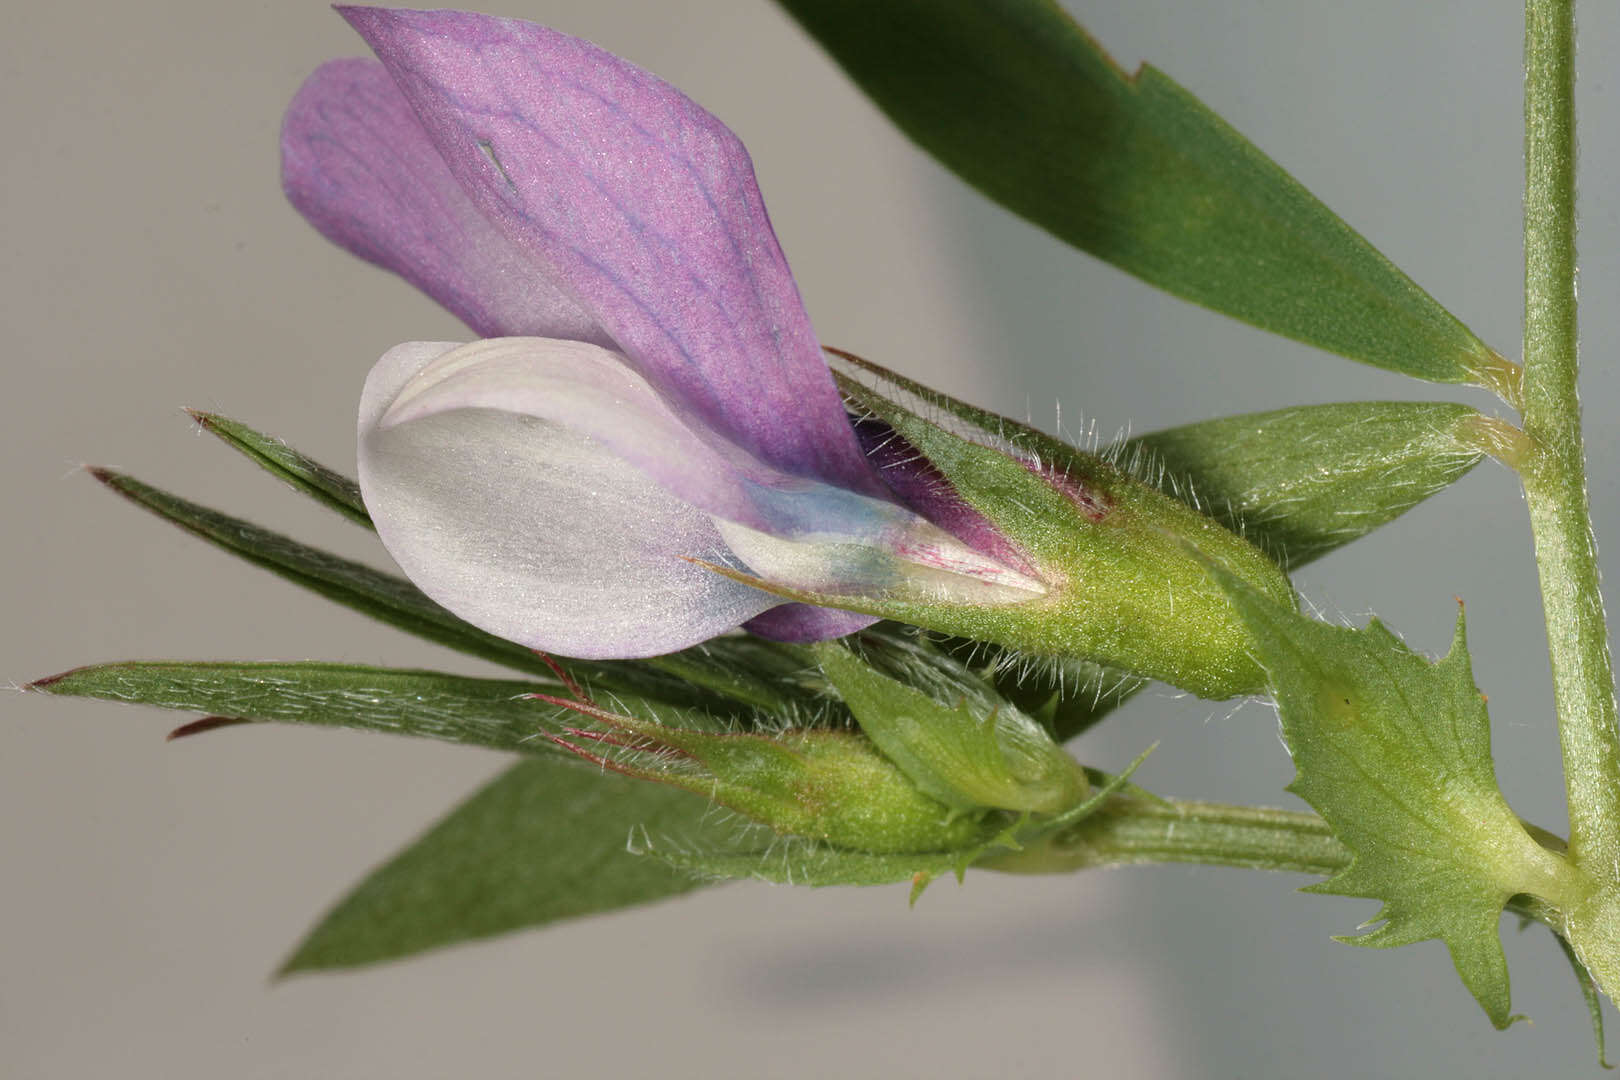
[151, 262]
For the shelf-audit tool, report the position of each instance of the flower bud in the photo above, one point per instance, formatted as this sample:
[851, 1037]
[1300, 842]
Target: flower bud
[823, 784]
[971, 751]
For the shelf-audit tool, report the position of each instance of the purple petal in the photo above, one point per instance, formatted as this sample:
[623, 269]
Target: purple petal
[924, 489]
[356, 162]
[646, 209]
[801, 623]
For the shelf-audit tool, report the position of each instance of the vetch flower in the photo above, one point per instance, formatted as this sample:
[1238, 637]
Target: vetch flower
[647, 448]
[651, 404]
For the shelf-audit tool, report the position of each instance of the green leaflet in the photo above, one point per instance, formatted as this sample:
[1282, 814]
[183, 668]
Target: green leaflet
[696, 677]
[1015, 98]
[1394, 752]
[544, 841]
[493, 713]
[382, 596]
[327, 486]
[1301, 482]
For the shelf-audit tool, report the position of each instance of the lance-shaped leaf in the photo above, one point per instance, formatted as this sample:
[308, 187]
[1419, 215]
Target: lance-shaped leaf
[1022, 104]
[1394, 752]
[327, 486]
[544, 841]
[500, 714]
[385, 597]
[1297, 482]
[1301, 482]
[381, 596]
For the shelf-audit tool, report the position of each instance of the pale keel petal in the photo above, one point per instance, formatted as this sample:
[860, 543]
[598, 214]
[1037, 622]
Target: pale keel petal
[595, 393]
[921, 563]
[539, 535]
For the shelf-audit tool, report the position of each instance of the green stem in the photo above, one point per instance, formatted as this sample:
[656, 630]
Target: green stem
[1129, 830]
[1555, 475]
[1133, 831]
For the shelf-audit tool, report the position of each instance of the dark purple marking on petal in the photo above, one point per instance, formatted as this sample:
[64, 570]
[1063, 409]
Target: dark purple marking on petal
[925, 491]
[800, 623]
[357, 163]
[646, 208]
[1095, 505]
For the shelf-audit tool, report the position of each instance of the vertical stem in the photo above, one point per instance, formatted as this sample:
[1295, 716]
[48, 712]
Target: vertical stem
[1555, 477]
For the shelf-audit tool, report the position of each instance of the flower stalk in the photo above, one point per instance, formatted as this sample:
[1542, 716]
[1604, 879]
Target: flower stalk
[1130, 830]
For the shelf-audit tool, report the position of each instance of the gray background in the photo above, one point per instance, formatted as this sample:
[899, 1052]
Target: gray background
[150, 263]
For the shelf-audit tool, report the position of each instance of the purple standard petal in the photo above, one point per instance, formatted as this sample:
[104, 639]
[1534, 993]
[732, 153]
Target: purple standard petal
[645, 208]
[356, 162]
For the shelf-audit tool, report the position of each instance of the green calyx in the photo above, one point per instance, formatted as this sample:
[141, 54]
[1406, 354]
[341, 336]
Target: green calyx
[1126, 566]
